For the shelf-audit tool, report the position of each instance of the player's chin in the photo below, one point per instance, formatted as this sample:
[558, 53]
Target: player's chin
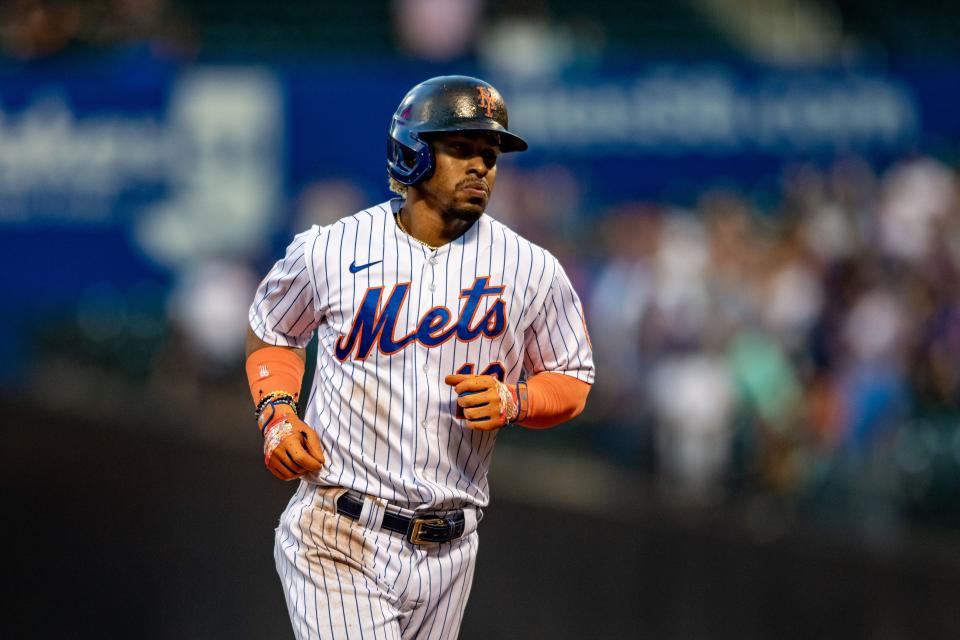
[470, 209]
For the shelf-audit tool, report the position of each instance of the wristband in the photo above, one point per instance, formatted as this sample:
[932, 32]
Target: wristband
[274, 436]
[508, 404]
[267, 414]
[523, 402]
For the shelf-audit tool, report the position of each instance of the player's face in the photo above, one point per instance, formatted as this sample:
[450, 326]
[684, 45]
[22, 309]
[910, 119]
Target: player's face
[465, 168]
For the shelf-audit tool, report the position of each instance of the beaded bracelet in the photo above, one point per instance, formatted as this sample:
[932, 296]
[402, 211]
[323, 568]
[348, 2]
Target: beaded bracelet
[275, 396]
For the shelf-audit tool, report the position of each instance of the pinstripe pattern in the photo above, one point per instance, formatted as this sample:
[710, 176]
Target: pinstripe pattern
[383, 413]
[342, 580]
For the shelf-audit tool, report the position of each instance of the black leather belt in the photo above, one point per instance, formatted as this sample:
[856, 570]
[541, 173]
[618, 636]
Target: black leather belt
[426, 529]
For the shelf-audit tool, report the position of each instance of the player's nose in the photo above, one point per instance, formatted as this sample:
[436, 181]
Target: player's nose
[478, 166]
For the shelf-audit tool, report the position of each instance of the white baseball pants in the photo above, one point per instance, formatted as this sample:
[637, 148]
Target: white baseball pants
[342, 579]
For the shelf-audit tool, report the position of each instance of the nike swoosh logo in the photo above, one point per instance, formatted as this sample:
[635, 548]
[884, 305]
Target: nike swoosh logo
[354, 268]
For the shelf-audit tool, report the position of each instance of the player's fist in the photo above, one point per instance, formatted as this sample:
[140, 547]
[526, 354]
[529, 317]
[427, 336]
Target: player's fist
[290, 447]
[486, 402]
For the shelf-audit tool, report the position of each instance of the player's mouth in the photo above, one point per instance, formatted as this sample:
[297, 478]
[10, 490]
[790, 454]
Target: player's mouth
[475, 190]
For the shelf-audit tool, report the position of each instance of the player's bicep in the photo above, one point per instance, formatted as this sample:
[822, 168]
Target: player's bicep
[254, 343]
[557, 339]
[283, 312]
[533, 360]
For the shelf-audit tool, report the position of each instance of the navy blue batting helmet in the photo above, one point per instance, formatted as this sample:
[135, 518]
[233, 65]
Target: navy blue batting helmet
[443, 104]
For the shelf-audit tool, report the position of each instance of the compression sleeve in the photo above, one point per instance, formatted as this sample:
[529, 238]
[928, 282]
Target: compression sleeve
[547, 399]
[274, 369]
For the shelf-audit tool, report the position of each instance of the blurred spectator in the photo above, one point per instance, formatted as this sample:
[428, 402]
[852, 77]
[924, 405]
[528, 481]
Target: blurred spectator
[32, 29]
[692, 398]
[917, 195]
[527, 47]
[437, 30]
[618, 305]
[534, 40]
[40, 29]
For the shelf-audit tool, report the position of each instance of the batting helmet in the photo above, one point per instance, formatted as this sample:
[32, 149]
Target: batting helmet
[444, 103]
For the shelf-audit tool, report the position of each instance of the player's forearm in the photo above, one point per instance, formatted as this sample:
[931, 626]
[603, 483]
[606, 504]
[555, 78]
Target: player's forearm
[272, 369]
[550, 399]
[290, 447]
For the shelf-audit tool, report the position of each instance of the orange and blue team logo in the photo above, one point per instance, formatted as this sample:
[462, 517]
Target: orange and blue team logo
[375, 326]
[486, 101]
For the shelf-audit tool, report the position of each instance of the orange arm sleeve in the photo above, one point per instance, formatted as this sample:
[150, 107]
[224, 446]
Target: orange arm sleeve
[274, 369]
[551, 398]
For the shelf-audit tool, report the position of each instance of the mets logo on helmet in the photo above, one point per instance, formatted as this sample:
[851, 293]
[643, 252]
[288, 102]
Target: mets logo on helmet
[486, 100]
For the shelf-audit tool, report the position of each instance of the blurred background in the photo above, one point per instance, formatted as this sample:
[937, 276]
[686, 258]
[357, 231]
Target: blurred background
[758, 202]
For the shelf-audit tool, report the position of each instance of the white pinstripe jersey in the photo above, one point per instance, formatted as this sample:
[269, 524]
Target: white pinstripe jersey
[393, 318]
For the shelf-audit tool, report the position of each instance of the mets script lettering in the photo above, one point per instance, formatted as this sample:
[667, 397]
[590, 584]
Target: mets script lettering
[374, 325]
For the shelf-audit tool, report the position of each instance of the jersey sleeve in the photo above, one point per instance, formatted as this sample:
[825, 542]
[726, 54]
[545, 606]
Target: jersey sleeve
[285, 307]
[557, 340]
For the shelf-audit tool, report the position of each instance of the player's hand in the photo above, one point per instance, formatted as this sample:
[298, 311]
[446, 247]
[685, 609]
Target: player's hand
[486, 402]
[298, 451]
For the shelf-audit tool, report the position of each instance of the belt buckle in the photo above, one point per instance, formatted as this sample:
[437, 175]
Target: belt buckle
[416, 532]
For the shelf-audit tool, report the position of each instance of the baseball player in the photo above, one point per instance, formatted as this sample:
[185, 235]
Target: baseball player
[437, 327]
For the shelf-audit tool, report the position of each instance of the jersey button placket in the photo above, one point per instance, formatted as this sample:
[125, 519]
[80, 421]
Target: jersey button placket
[426, 302]
[431, 263]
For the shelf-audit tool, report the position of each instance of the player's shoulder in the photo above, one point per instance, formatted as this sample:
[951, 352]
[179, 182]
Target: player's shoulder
[499, 232]
[371, 216]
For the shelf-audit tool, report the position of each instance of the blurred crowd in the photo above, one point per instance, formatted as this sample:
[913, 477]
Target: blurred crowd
[795, 349]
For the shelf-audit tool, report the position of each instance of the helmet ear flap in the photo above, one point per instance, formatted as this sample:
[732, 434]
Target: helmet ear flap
[408, 160]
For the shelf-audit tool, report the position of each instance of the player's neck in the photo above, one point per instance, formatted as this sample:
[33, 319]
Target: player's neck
[429, 225]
